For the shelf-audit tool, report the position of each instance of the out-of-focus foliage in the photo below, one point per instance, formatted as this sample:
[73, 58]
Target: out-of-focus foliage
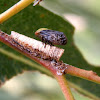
[32, 18]
[34, 86]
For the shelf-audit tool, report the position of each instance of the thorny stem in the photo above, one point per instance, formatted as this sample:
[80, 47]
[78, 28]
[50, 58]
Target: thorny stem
[65, 87]
[88, 75]
[14, 9]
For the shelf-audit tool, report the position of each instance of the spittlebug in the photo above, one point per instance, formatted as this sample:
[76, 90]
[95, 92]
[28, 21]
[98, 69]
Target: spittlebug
[37, 2]
[51, 37]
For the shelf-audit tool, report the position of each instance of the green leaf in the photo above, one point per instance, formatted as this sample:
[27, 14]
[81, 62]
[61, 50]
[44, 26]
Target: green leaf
[27, 22]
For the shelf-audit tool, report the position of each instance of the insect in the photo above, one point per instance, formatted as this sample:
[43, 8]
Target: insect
[37, 2]
[51, 37]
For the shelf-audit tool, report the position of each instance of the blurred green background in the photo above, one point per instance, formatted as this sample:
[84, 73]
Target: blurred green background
[85, 16]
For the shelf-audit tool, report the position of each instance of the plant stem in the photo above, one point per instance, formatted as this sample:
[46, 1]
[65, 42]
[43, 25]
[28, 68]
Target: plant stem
[88, 75]
[14, 9]
[64, 86]
[8, 40]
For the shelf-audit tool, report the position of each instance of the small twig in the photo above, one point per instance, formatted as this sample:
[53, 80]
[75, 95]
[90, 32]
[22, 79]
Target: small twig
[37, 2]
[14, 9]
[65, 87]
[88, 75]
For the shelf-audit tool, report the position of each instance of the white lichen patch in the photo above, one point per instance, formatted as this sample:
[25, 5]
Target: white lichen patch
[42, 50]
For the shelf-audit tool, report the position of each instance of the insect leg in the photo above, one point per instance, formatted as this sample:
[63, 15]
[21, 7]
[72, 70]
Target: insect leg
[44, 40]
[50, 43]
